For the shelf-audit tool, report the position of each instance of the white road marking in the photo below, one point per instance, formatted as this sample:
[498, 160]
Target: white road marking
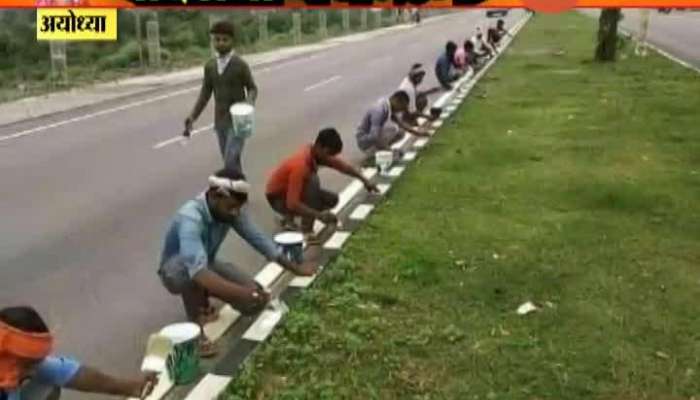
[305, 281]
[361, 212]
[401, 142]
[420, 143]
[263, 326]
[396, 171]
[127, 106]
[322, 83]
[409, 156]
[43, 128]
[347, 194]
[210, 387]
[178, 139]
[337, 240]
[268, 275]
[216, 329]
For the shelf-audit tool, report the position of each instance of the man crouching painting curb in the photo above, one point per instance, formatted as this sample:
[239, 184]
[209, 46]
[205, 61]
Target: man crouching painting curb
[189, 266]
[29, 370]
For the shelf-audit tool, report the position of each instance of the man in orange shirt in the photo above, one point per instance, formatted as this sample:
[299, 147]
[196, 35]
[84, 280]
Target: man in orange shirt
[294, 188]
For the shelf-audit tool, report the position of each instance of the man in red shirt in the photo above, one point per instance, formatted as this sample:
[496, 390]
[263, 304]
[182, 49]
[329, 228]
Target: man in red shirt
[294, 188]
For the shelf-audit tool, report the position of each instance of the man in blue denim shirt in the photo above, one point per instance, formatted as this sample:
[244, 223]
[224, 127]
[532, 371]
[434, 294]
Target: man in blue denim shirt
[189, 266]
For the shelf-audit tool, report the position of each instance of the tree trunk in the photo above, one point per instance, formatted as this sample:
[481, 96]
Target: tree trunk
[607, 34]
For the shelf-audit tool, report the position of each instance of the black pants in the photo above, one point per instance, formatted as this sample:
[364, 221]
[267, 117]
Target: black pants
[313, 196]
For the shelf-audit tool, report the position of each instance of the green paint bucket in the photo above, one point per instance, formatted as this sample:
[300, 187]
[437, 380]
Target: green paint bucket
[183, 361]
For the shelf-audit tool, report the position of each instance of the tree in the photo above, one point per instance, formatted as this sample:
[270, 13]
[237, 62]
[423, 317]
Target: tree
[607, 34]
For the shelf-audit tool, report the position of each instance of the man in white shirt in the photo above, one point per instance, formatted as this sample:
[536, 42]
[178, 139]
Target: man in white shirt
[480, 46]
[418, 100]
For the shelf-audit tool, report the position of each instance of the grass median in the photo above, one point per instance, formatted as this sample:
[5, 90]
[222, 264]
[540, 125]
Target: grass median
[563, 182]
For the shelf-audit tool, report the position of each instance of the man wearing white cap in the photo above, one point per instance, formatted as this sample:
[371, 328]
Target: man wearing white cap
[189, 266]
[418, 100]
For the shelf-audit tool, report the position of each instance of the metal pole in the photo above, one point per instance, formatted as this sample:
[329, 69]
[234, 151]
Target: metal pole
[296, 27]
[377, 18]
[59, 62]
[153, 39]
[262, 27]
[641, 48]
[139, 36]
[363, 19]
[323, 23]
[346, 20]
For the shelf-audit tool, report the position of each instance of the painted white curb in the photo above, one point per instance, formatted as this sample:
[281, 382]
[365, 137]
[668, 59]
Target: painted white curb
[396, 171]
[263, 326]
[337, 241]
[209, 388]
[361, 212]
[305, 281]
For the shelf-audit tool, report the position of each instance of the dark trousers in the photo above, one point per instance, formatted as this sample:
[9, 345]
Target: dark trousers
[313, 195]
[176, 279]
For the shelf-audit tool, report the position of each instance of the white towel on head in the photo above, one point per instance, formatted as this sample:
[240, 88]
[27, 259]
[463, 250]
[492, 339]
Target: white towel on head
[238, 186]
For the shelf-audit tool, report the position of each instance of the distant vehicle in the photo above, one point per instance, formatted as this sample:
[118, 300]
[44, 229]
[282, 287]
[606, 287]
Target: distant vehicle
[665, 10]
[496, 12]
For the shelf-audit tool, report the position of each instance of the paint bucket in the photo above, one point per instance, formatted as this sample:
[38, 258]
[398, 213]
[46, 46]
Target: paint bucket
[383, 160]
[183, 361]
[292, 244]
[242, 119]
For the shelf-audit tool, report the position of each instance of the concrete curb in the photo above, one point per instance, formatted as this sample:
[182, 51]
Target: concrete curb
[355, 206]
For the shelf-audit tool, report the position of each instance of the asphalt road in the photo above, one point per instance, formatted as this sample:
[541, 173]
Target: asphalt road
[84, 205]
[677, 33]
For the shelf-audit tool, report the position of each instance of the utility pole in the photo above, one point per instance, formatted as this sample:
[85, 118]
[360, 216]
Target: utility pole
[139, 36]
[641, 48]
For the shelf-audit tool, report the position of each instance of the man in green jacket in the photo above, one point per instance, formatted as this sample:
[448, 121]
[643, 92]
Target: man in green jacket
[231, 81]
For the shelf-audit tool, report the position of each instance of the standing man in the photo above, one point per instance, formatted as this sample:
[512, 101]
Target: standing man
[294, 188]
[445, 70]
[189, 266]
[418, 100]
[231, 81]
[27, 366]
[383, 124]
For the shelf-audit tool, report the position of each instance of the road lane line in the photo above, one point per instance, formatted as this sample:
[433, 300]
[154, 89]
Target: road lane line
[178, 139]
[96, 114]
[127, 106]
[322, 83]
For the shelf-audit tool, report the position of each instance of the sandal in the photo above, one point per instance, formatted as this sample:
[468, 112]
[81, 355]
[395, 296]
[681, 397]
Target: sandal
[312, 240]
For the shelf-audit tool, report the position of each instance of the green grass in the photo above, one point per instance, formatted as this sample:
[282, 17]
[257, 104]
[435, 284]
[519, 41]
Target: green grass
[566, 182]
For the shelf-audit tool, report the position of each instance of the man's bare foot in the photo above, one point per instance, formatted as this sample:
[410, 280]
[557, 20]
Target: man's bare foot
[207, 348]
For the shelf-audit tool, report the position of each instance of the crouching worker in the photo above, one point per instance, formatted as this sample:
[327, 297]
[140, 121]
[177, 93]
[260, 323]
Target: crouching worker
[189, 266]
[28, 369]
[418, 99]
[384, 125]
[294, 188]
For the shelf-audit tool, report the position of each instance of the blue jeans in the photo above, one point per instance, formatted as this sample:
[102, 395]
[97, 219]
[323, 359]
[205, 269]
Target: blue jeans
[231, 148]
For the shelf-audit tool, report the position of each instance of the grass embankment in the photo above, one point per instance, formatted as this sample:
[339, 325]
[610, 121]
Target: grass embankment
[565, 182]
